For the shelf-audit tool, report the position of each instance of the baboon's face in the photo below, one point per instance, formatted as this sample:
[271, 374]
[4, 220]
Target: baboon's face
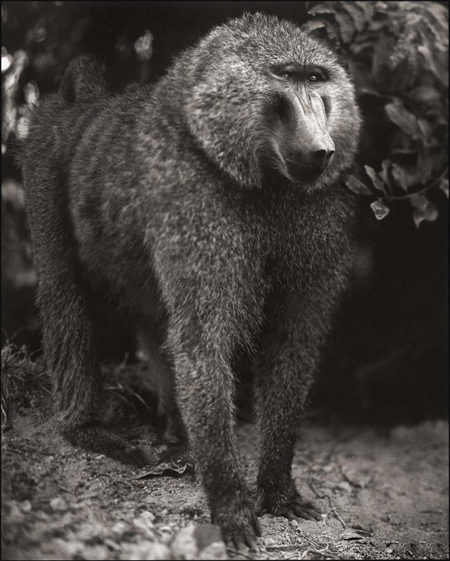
[268, 101]
[298, 144]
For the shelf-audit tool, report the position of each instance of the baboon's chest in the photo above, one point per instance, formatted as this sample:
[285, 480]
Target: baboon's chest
[300, 243]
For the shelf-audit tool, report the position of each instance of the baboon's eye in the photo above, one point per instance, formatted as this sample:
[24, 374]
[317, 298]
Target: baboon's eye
[315, 76]
[296, 73]
[288, 75]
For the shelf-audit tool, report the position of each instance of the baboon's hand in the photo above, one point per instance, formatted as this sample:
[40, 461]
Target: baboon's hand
[240, 530]
[297, 508]
[289, 504]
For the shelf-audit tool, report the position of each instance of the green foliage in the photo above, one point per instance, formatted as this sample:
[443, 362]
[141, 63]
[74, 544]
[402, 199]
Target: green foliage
[397, 53]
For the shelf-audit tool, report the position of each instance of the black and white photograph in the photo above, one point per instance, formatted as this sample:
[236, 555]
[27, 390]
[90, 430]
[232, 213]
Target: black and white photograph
[224, 307]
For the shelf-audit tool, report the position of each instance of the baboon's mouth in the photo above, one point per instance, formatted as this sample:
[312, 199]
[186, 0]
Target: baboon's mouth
[302, 173]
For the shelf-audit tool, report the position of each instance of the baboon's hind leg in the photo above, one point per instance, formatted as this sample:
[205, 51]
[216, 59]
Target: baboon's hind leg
[66, 325]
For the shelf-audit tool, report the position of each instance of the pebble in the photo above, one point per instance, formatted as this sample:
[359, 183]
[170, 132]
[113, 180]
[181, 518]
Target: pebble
[199, 542]
[58, 504]
[146, 550]
[119, 529]
[25, 506]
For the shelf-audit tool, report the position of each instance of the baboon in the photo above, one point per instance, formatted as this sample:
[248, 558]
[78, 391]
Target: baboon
[211, 205]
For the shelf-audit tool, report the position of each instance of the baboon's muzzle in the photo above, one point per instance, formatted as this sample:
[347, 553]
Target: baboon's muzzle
[310, 148]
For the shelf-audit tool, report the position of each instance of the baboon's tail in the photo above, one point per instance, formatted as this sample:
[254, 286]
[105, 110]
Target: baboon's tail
[83, 80]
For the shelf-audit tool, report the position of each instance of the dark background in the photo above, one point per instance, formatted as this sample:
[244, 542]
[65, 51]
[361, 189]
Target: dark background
[387, 359]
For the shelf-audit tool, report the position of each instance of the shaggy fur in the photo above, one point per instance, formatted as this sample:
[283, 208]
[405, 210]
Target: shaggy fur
[173, 199]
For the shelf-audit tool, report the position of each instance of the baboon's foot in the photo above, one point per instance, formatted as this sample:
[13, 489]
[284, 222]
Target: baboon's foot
[239, 528]
[288, 504]
[103, 441]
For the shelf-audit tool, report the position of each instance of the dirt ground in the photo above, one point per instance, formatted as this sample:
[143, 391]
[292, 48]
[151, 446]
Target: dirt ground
[382, 495]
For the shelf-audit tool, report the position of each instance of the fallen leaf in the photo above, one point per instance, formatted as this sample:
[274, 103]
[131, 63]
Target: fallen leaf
[171, 469]
[360, 530]
[350, 535]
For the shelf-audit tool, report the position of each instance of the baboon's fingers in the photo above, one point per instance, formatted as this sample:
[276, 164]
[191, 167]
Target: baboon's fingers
[242, 532]
[295, 508]
[299, 513]
[305, 509]
[243, 539]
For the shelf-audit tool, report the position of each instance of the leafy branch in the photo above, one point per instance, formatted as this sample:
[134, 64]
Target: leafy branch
[397, 54]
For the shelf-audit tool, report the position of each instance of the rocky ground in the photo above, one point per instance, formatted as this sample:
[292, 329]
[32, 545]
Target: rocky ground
[383, 495]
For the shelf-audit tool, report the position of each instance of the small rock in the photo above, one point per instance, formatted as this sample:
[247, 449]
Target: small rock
[112, 544]
[199, 542]
[148, 516]
[145, 522]
[165, 534]
[97, 552]
[119, 529]
[70, 548]
[91, 532]
[345, 486]
[294, 524]
[15, 512]
[146, 550]
[160, 551]
[25, 506]
[58, 504]
[216, 550]
[184, 544]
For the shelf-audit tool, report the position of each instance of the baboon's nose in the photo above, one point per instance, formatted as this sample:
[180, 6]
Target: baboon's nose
[307, 166]
[322, 157]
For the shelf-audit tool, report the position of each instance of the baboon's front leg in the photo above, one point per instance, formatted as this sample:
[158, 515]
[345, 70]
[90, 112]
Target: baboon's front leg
[288, 359]
[205, 390]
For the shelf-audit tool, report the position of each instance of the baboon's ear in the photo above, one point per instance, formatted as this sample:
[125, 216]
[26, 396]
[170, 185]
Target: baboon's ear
[83, 79]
